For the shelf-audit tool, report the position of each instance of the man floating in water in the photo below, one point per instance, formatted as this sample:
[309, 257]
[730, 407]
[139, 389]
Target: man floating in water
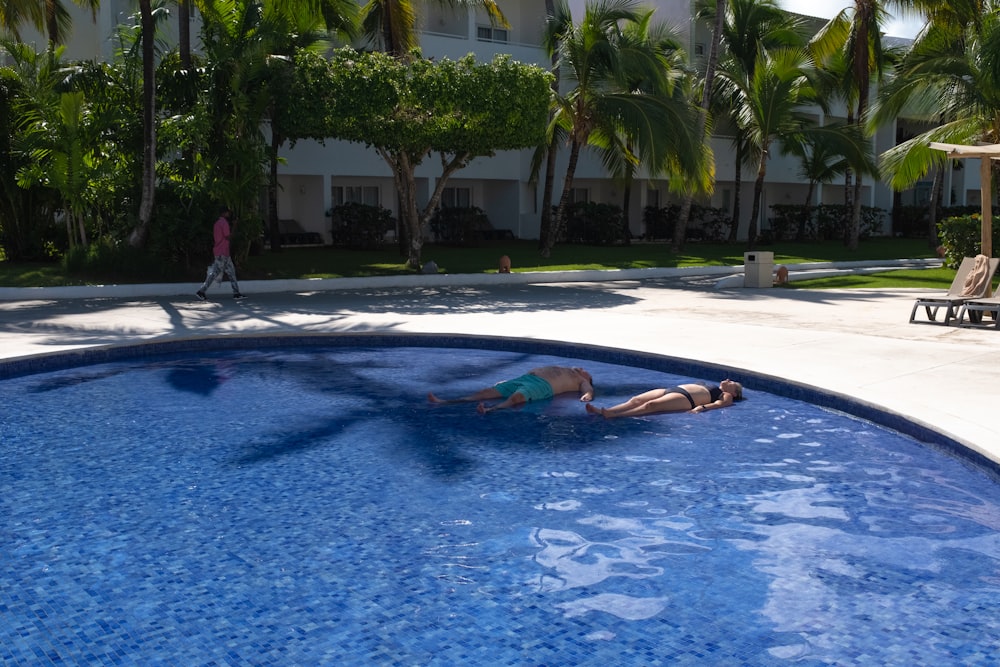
[536, 385]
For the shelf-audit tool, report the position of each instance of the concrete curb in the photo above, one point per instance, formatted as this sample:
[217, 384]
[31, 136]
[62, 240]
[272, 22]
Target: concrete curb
[730, 276]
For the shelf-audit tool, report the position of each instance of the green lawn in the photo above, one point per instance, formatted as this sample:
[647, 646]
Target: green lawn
[327, 262]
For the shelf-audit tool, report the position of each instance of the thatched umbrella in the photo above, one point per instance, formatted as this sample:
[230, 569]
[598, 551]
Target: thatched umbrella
[986, 154]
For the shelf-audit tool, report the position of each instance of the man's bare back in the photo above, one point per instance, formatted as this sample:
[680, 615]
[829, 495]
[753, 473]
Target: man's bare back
[552, 380]
[564, 379]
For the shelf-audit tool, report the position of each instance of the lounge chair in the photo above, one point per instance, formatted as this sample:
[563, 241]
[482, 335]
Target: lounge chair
[972, 281]
[976, 309]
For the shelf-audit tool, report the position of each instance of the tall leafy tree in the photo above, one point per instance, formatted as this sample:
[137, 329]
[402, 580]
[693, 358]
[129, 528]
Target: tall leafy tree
[307, 23]
[602, 60]
[408, 110]
[390, 26]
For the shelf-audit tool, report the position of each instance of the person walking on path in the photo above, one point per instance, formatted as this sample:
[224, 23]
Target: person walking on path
[536, 385]
[223, 263]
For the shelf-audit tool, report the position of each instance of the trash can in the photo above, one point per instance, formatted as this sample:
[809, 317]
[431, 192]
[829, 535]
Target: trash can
[758, 268]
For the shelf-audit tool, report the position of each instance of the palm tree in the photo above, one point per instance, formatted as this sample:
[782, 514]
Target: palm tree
[770, 108]
[749, 26]
[64, 159]
[50, 17]
[148, 35]
[623, 157]
[858, 35]
[392, 24]
[551, 149]
[28, 81]
[690, 189]
[950, 76]
[339, 16]
[819, 162]
[604, 61]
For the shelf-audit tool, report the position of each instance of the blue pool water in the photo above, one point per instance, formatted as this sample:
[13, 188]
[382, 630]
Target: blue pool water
[309, 507]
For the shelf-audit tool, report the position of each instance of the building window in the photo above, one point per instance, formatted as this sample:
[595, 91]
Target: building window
[355, 194]
[922, 194]
[579, 195]
[487, 33]
[699, 49]
[653, 197]
[456, 198]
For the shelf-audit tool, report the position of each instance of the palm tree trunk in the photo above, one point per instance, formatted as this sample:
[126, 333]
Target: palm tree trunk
[274, 231]
[855, 223]
[545, 221]
[936, 187]
[865, 19]
[184, 33]
[800, 232]
[83, 229]
[626, 205]
[70, 234]
[557, 224]
[758, 189]
[680, 228]
[734, 225]
[137, 238]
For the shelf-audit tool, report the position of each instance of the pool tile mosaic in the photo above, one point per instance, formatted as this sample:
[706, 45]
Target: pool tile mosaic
[328, 522]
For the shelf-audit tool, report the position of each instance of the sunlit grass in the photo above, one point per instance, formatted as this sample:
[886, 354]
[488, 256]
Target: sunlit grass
[325, 262]
[929, 279]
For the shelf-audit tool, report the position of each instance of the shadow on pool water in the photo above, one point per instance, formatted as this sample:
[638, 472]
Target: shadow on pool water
[306, 505]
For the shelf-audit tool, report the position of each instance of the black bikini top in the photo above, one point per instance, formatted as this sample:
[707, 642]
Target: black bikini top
[715, 393]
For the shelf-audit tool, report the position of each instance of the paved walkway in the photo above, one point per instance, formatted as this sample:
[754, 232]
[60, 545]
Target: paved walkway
[853, 342]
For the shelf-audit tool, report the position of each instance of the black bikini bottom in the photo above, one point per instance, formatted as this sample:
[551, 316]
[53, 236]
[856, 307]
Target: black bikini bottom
[682, 392]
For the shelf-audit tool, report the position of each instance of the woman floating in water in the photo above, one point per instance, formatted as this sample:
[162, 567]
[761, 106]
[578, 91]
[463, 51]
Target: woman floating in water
[682, 398]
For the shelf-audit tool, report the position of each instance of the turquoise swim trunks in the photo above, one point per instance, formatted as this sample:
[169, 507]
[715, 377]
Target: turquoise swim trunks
[532, 387]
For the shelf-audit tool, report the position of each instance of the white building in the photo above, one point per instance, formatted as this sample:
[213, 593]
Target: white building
[314, 178]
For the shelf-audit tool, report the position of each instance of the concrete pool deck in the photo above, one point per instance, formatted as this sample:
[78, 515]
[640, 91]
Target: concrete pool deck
[857, 343]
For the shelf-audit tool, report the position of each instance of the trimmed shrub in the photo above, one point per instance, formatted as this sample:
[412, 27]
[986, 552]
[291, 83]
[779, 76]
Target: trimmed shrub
[593, 224]
[659, 222]
[961, 236]
[460, 225]
[361, 226]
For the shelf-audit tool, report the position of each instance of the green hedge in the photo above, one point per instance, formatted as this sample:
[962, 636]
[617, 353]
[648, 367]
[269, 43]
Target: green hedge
[360, 226]
[961, 236]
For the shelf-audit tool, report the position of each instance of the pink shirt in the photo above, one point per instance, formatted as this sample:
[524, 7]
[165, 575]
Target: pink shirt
[221, 233]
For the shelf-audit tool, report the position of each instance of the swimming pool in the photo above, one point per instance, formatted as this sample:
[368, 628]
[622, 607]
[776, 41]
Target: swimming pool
[305, 505]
